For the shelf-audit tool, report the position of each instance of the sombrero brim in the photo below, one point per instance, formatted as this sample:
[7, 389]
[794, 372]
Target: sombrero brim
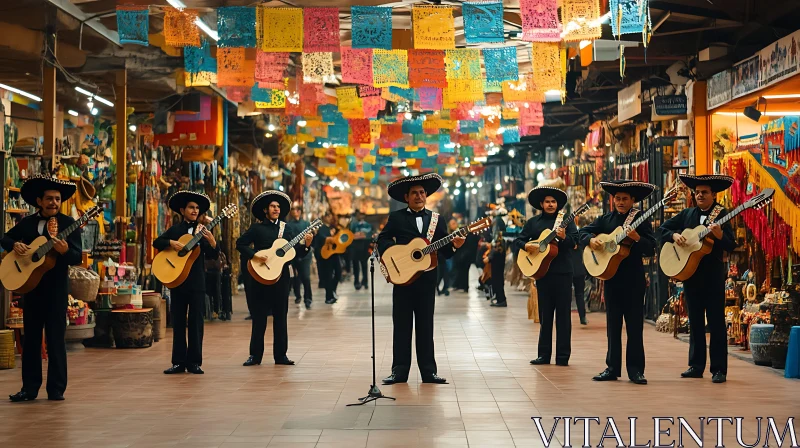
[716, 182]
[399, 188]
[35, 187]
[262, 201]
[537, 195]
[87, 188]
[179, 200]
[639, 190]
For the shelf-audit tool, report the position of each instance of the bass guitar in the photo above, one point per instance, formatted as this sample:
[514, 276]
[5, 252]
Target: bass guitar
[680, 262]
[537, 265]
[171, 267]
[603, 263]
[402, 264]
[337, 244]
[277, 256]
[22, 273]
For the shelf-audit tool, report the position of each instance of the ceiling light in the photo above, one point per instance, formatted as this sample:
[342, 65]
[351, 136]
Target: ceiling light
[358, 193]
[94, 111]
[21, 92]
[456, 192]
[206, 29]
[781, 113]
[132, 128]
[295, 149]
[302, 123]
[511, 153]
[474, 191]
[176, 4]
[104, 101]
[531, 165]
[498, 187]
[480, 184]
[611, 159]
[408, 115]
[540, 176]
[458, 183]
[781, 97]
[72, 112]
[268, 135]
[472, 173]
[540, 166]
[90, 105]
[553, 166]
[271, 127]
[566, 153]
[311, 173]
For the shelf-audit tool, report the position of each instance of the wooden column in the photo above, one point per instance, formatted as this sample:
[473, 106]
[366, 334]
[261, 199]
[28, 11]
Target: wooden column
[49, 105]
[120, 141]
[703, 157]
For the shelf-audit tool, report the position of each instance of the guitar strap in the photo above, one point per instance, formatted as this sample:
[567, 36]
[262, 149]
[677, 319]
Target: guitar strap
[630, 218]
[559, 219]
[714, 214]
[282, 227]
[432, 225]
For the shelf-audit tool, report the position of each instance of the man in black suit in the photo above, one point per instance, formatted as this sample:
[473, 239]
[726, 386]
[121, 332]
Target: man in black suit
[191, 294]
[45, 307]
[269, 207]
[330, 269]
[413, 304]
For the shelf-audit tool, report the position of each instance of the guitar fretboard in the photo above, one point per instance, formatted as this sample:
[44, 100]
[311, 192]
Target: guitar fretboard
[445, 241]
[197, 236]
[45, 248]
[301, 235]
[723, 220]
[636, 223]
[564, 223]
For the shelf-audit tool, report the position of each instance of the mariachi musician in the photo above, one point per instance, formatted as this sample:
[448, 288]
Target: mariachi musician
[269, 207]
[330, 269]
[191, 294]
[624, 293]
[45, 307]
[414, 303]
[554, 288]
[705, 290]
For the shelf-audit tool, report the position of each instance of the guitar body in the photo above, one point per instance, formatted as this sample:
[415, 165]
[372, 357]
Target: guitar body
[405, 263]
[681, 263]
[536, 266]
[270, 273]
[603, 263]
[20, 273]
[170, 268]
[337, 244]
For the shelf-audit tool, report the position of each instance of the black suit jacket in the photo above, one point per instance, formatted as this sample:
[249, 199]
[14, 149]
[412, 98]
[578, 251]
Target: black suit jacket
[562, 263]
[645, 247]
[196, 281]
[690, 218]
[261, 235]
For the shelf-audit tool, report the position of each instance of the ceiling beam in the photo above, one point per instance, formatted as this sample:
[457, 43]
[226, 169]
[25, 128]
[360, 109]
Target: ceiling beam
[92, 22]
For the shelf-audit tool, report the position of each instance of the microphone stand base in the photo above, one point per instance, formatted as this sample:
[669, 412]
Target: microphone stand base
[373, 395]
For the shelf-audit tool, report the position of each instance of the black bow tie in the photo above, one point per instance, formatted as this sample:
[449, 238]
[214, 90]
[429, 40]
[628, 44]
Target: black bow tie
[418, 214]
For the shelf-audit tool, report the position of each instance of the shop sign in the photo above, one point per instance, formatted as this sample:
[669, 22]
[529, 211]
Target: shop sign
[629, 102]
[745, 77]
[780, 60]
[670, 105]
[719, 89]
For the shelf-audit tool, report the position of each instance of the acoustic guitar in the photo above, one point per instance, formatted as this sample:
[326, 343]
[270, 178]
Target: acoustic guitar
[603, 263]
[337, 244]
[680, 262]
[402, 264]
[22, 273]
[278, 255]
[537, 265]
[171, 267]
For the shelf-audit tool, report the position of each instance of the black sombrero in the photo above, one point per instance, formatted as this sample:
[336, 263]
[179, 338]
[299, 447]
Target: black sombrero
[537, 195]
[639, 190]
[717, 182]
[262, 201]
[399, 188]
[36, 185]
[179, 199]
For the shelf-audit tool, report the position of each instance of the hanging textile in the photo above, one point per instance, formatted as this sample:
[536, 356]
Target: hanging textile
[501, 64]
[428, 98]
[426, 68]
[237, 94]
[180, 29]
[367, 91]
[372, 27]
[360, 130]
[133, 24]
[483, 21]
[461, 91]
[525, 131]
[629, 16]
[434, 27]
[540, 20]
[357, 65]
[199, 67]
[523, 90]
[531, 114]
[347, 100]
[318, 68]
[546, 66]
[390, 68]
[281, 29]
[236, 26]
[372, 105]
[232, 68]
[268, 98]
[463, 63]
[581, 20]
[321, 29]
[270, 69]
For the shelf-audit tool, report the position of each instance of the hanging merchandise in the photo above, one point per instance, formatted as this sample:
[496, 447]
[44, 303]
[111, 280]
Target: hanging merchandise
[180, 29]
[428, 98]
[501, 64]
[463, 63]
[581, 20]
[426, 68]
[629, 16]
[236, 26]
[434, 28]
[372, 27]
[200, 67]
[318, 68]
[540, 20]
[133, 24]
[281, 29]
[390, 68]
[483, 21]
[357, 66]
[546, 66]
[321, 30]
[270, 69]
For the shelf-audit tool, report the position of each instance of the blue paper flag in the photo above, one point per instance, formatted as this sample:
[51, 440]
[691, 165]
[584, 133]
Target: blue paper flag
[198, 59]
[470, 126]
[403, 93]
[236, 26]
[133, 26]
[501, 64]
[372, 27]
[483, 21]
[511, 135]
[412, 126]
[635, 16]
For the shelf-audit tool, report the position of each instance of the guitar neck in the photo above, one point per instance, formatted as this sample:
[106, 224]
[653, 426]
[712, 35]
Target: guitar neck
[300, 235]
[197, 236]
[444, 241]
[45, 248]
[724, 219]
[636, 223]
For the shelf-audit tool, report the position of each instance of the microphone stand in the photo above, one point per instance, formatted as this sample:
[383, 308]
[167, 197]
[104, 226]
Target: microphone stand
[374, 393]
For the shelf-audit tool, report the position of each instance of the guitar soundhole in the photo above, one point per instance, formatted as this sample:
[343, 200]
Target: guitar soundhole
[345, 238]
[611, 246]
[280, 252]
[35, 257]
[416, 255]
[542, 247]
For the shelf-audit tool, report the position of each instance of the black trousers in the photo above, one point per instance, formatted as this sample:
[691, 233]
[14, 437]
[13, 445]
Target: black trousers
[555, 300]
[443, 275]
[579, 286]
[705, 299]
[412, 309]
[360, 254]
[48, 313]
[498, 280]
[331, 274]
[262, 300]
[625, 301]
[302, 270]
[214, 289]
[194, 302]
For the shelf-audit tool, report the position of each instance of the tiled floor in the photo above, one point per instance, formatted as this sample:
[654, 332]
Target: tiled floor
[120, 398]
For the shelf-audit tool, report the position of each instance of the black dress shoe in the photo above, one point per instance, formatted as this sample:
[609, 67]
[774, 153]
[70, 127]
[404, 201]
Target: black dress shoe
[328, 301]
[357, 286]
[297, 300]
[251, 362]
[692, 372]
[284, 362]
[434, 379]
[55, 397]
[308, 305]
[719, 377]
[605, 375]
[193, 368]
[562, 363]
[175, 369]
[446, 292]
[584, 321]
[500, 304]
[248, 318]
[394, 379]
[21, 396]
[365, 285]
[638, 378]
[540, 361]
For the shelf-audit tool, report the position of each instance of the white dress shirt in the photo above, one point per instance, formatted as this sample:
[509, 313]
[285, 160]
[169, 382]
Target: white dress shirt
[419, 220]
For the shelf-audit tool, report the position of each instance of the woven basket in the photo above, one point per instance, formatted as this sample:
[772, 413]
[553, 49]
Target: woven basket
[7, 360]
[83, 284]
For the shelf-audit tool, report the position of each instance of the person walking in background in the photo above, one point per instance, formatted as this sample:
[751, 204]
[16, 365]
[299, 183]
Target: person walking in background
[331, 268]
[300, 265]
[497, 261]
[362, 231]
[579, 279]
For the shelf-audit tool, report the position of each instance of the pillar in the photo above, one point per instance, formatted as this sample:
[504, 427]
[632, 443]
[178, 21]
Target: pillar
[120, 141]
[703, 156]
[49, 103]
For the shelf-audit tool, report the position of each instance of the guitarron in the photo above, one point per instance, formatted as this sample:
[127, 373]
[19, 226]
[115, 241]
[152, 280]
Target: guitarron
[680, 262]
[402, 264]
[171, 267]
[337, 244]
[536, 266]
[603, 263]
[277, 256]
[21, 273]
